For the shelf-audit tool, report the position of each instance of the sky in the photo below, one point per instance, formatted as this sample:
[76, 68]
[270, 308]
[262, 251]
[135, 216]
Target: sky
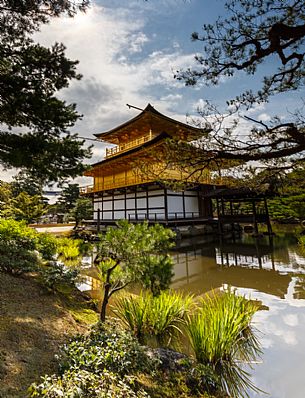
[128, 52]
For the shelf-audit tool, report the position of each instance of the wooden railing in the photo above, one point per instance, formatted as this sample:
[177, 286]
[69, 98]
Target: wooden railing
[117, 183]
[125, 147]
[128, 180]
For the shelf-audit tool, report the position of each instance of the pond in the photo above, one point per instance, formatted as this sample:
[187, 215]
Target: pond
[270, 270]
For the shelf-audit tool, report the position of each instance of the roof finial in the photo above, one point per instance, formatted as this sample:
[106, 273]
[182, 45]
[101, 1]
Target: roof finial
[135, 107]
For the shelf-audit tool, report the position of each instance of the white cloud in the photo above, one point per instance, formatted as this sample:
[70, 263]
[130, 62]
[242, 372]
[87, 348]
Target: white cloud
[104, 41]
[291, 319]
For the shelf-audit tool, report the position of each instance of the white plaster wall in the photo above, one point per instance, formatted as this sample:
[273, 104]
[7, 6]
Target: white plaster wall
[141, 202]
[107, 215]
[119, 215]
[191, 204]
[157, 192]
[119, 204]
[130, 203]
[108, 205]
[97, 206]
[156, 202]
[175, 205]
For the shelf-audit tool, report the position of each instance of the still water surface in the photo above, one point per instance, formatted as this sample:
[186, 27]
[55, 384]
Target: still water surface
[270, 271]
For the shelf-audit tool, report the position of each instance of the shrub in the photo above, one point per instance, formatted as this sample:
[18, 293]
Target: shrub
[221, 336]
[16, 260]
[106, 347]
[99, 365]
[84, 384]
[47, 245]
[161, 317]
[18, 243]
[56, 274]
[69, 249]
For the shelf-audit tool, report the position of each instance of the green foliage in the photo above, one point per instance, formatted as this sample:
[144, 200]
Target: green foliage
[100, 364]
[221, 335]
[17, 231]
[84, 384]
[106, 347]
[16, 260]
[25, 182]
[203, 378]
[160, 317]
[33, 74]
[82, 210]
[158, 273]
[21, 205]
[54, 275]
[47, 245]
[18, 246]
[28, 208]
[68, 198]
[69, 249]
[290, 200]
[133, 253]
[6, 209]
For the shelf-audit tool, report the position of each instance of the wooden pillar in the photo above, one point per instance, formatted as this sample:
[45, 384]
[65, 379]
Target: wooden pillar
[268, 218]
[125, 202]
[165, 204]
[102, 205]
[222, 206]
[112, 205]
[232, 223]
[254, 216]
[147, 202]
[220, 230]
[136, 204]
[98, 226]
[183, 203]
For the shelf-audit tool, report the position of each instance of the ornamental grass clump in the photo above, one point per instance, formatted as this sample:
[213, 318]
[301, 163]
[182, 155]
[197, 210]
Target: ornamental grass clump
[221, 336]
[161, 317]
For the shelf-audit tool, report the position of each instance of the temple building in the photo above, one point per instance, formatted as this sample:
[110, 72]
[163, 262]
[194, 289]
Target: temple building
[123, 190]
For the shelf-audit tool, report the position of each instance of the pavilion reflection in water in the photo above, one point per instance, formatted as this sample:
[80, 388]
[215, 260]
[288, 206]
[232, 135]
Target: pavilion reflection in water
[272, 267]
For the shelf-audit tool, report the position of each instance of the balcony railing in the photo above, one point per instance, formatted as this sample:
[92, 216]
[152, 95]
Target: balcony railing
[125, 147]
[117, 183]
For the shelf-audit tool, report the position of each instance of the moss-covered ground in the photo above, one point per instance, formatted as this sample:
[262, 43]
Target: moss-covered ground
[33, 324]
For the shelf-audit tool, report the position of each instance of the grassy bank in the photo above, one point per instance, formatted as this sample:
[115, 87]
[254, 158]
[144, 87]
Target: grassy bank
[33, 324]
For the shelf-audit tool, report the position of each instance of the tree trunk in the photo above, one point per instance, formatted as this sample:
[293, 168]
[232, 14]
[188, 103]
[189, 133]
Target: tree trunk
[107, 287]
[105, 302]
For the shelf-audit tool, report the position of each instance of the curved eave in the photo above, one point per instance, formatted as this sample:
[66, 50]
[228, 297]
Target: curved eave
[125, 154]
[194, 131]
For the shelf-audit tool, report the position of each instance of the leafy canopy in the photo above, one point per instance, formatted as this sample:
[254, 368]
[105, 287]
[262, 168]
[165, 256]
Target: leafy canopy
[35, 124]
[134, 253]
[248, 34]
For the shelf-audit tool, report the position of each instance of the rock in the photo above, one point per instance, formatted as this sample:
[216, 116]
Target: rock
[169, 359]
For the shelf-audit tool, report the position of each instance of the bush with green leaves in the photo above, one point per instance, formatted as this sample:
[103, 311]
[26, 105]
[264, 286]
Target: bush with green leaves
[56, 274]
[99, 365]
[22, 247]
[15, 259]
[84, 384]
[159, 317]
[106, 347]
[46, 245]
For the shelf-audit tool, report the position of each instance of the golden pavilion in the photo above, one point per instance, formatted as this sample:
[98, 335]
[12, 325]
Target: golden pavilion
[122, 190]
